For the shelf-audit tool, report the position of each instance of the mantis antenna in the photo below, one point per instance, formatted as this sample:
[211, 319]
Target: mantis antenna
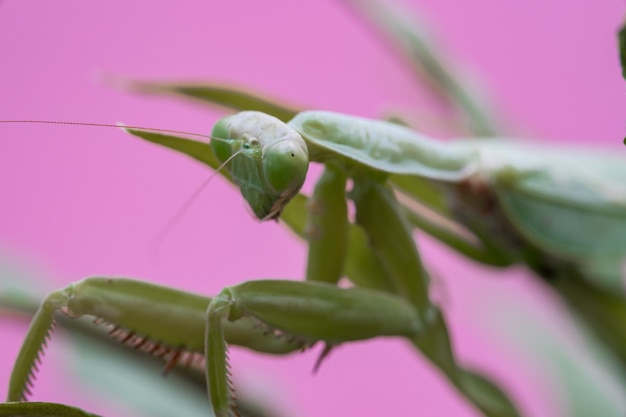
[118, 126]
[164, 231]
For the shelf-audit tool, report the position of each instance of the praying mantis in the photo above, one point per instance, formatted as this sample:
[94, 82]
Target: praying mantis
[497, 192]
[393, 301]
[477, 185]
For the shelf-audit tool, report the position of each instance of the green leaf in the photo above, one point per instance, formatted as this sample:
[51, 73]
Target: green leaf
[200, 151]
[410, 39]
[234, 98]
[41, 409]
[136, 384]
[621, 36]
[604, 311]
[581, 375]
[486, 395]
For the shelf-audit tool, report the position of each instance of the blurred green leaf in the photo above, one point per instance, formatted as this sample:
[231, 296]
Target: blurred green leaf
[200, 151]
[41, 409]
[621, 36]
[583, 376]
[233, 98]
[410, 39]
[487, 394]
[604, 311]
[136, 384]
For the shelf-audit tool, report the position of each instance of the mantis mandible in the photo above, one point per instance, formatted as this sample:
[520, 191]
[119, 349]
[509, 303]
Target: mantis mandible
[490, 187]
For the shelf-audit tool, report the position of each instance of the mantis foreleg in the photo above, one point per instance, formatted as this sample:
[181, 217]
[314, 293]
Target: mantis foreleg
[390, 237]
[174, 330]
[336, 247]
[327, 228]
[306, 311]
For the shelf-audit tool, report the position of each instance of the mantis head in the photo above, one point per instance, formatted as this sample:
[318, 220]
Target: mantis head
[267, 159]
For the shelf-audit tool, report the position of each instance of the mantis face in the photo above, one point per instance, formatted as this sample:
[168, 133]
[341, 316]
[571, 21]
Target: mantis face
[268, 159]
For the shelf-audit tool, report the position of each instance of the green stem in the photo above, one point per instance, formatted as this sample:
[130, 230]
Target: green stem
[41, 409]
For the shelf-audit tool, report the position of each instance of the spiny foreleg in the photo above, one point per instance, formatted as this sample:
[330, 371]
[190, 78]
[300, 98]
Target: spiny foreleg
[159, 320]
[306, 311]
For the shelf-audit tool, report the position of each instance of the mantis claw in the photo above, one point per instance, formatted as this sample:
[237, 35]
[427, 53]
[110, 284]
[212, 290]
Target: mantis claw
[323, 355]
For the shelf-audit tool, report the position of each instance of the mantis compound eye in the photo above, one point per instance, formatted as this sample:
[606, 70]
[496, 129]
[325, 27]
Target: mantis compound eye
[219, 143]
[285, 164]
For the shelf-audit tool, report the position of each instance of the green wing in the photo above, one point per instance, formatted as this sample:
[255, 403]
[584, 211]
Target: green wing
[569, 203]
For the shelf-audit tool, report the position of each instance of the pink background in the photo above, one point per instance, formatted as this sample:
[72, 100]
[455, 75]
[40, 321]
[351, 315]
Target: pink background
[76, 202]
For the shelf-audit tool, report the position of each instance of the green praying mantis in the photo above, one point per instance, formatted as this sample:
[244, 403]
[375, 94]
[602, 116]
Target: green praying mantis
[500, 203]
[561, 213]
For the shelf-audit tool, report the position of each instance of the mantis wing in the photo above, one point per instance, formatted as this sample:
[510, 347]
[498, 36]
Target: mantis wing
[569, 203]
